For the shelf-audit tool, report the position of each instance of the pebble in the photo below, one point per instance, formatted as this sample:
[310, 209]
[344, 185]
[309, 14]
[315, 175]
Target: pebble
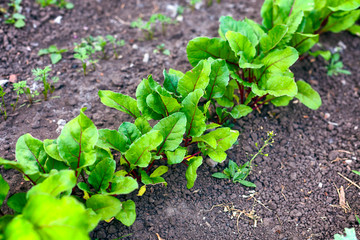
[293, 176]
[146, 58]
[61, 123]
[295, 213]
[112, 229]
[211, 162]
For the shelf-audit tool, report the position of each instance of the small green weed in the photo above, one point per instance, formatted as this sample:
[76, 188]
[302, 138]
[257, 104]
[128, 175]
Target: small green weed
[238, 174]
[54, 52]
[335, 66]
[16, 17]
[59, 3]
[161, 48]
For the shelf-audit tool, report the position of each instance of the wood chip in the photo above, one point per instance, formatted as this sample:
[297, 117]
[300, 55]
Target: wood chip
[13, 78]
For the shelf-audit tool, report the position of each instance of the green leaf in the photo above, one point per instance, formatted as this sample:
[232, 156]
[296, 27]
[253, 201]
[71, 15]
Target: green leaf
[191, 174]
[28, 169]
[19, 23]
[280, 60]
[267, 13]
[162, 102]
[325, 54]
[112, 139]
[277, 86]
[17, 202]
[120, 102]
[127, 214]
[356, 172]
[344, 5]
[123, 185]
[218, 79]
[43, 52]
[147, 180]
[240, 44]
[92, 218]
[220, 175]
[55, 58]
[77, 141]
[53, 49]
[55, 184]
[197, 78]
[102, 174]
[144, 89]
[292, 23]
[49, 218]
[30, 150]
[4, 189]
[281, 101]
[354, 29]
[350, 234]
[246, 183]
[176, 157]
[143, 125]
[212, 126]
[274, 36]
[105, 206]
[20, 228]
[304, 42]
[139, 152]
[227, 23]
[308, 96]
[130, 131]
[227, 100]
[195, 125]
[341, 21]
[240, 111]
[219, 141]
[172, 129]
[159, 171]
[51, 149]
[171, 80]
[202, 48]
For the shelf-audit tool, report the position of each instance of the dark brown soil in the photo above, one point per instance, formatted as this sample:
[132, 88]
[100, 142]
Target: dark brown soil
[296, 195]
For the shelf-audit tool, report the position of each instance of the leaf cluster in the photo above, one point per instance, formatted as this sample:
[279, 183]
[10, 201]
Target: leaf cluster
[16, 17]
[43, 76]
[54, 52]
[148, 27]
[59, 3]
[89, 46]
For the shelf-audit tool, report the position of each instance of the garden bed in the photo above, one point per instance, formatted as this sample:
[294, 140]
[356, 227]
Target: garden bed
[296, 195]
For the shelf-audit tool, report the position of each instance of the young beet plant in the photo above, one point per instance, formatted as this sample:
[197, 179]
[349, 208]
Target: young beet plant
[180, 108]
[54, 52]
[16, 18]
[250, 67]
[81, 149]
[46, 210]
[43, 75]
[2, 103]
[149, 26]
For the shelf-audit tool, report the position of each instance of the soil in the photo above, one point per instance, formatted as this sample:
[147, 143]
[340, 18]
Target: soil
[296, 195]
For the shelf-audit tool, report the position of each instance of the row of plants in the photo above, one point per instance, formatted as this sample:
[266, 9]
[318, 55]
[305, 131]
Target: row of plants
[86, 52]
[76, 176]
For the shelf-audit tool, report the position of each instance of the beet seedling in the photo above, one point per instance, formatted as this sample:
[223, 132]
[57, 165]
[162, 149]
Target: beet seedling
[54, 52]
[115, 43]
[2, 103]
[16, 17]
[19, 89]
[148, 27]
[42, 75]
[59, 3]
[238, 174]
[336, 66]
[161, 48]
